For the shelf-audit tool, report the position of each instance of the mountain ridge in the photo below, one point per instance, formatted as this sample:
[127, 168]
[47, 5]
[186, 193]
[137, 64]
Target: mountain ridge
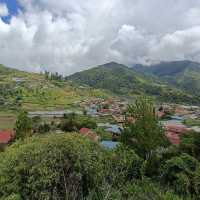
[184, 74]
[123, 80]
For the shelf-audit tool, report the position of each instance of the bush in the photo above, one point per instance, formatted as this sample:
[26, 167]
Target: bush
[123, 165]
[51, 167]
[152, 165]
[23, 125]
[138, 190]
[74, 122]
[190, 143]
[144, 133]
[144, 190]
[179, 172]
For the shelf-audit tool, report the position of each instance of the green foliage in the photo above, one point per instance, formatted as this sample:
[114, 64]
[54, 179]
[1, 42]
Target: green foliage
[182, 74]
[104, 135]
[122, 80]
[126, 164]
[145, 189]
[74, 122]
[40, 91]
[179, 173]
[145, 134]
[152, 165]
[190, 143]
[141, 190]
[51, 167]
[44, 128]
[12, 197]
[192, 122]
[23, 125]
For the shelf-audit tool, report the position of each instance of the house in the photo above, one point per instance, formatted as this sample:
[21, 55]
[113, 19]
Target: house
[6, 137]
[174, 131]
[119, 118]
[173, 138]
[115, 130]
[109, 144]
[160, 114]
[89, 133]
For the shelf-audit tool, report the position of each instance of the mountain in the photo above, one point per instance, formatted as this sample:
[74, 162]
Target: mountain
[181, 74]
[33, 91]
[126, 81]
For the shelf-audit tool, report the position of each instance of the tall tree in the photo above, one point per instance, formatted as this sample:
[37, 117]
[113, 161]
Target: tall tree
[143, 132]
[23, 125]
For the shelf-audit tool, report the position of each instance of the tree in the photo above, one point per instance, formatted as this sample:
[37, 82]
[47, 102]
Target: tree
[190, 143]
[73, 122]
[44, 128]
[51, 167]
[182, 174]
[23, 125]
[143, 133]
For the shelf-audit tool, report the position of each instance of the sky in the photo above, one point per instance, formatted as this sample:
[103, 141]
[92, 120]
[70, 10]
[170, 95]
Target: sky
[67, 36]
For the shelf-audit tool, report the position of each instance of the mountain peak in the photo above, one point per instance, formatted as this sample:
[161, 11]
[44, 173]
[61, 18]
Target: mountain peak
[113, 65]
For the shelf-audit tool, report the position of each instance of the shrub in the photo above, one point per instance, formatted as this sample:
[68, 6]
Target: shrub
[144, 133]
[179, 173]
[51, 167]
[190, 143]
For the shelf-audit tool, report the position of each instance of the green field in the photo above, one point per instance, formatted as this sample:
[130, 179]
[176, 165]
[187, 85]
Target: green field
[34, 92]
[7, 120]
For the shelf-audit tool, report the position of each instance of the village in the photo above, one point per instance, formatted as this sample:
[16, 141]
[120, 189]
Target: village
[109, 115]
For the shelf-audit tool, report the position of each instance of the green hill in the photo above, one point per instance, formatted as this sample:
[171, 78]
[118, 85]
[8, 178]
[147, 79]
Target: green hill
[33, 91]
[126, 81]
[181, 74]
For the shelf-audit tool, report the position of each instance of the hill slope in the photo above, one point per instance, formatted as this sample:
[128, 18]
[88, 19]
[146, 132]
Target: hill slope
[125, 81]
[34, 92]
[181, 74]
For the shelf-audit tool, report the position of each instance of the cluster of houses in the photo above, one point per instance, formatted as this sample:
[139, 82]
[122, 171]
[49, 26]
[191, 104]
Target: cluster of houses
[101, 107]
[175, 127]
[115, 108]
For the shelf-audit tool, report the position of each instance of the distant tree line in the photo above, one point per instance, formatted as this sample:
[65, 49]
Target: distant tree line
[53, 76]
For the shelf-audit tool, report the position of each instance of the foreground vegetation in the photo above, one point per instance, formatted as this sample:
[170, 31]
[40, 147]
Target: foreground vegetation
[69, 166]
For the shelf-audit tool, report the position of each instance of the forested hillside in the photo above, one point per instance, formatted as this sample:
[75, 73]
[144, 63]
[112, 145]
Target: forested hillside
[181, 74]
[123, 80]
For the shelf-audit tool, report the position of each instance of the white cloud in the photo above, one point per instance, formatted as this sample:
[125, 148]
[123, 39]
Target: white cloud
[183, 44]
[3, 10]
[69, 36]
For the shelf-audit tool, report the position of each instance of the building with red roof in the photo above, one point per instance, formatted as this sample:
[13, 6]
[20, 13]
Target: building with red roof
[160, 114]
[174, 132]
[89, 133]
[6, 137]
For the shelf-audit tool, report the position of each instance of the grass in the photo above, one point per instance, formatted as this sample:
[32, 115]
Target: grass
[37, 93]
[7, 119]
[104, 134]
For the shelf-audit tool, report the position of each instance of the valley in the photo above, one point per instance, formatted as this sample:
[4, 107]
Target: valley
[99, 106]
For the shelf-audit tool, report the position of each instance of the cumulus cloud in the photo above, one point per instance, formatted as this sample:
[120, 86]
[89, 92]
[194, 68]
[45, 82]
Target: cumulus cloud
[69, 36]
[180, 45]
[3, 10]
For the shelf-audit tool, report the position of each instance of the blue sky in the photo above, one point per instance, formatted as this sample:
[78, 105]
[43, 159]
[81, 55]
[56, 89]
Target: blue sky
[13, 7]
